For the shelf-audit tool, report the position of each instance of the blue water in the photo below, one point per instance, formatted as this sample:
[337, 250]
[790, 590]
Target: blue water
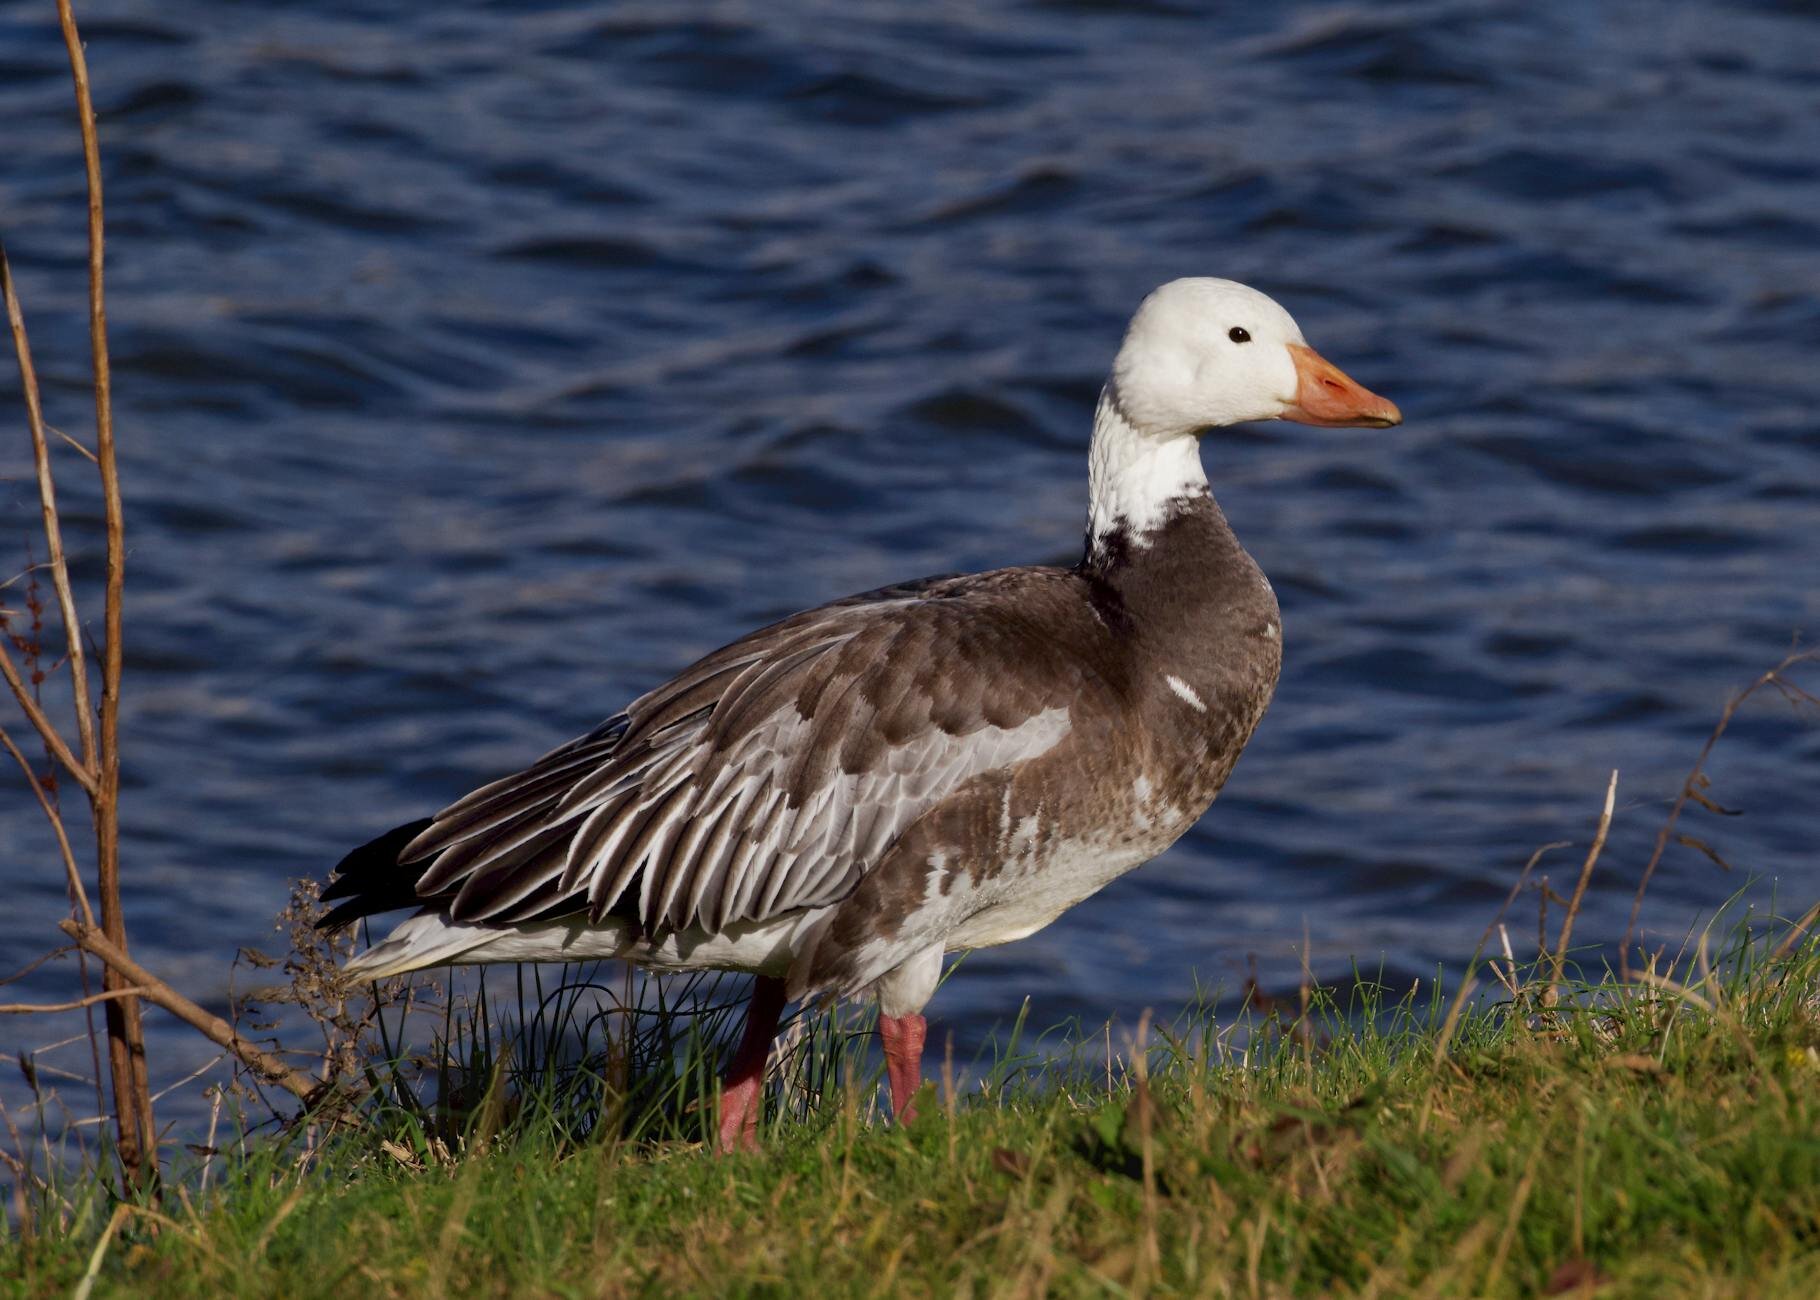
[477, 367]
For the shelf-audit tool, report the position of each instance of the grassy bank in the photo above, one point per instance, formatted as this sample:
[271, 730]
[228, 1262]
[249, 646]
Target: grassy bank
[1635, 1139]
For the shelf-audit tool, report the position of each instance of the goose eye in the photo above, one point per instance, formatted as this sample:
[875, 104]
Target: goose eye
[1239, 334]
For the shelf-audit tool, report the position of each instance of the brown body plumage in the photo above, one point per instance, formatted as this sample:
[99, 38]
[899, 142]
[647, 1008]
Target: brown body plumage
[841, 798]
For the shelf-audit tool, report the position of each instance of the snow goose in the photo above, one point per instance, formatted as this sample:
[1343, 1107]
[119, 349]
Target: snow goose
[834, 802]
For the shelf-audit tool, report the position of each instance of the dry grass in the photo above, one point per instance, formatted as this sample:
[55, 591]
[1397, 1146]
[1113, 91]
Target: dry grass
[1660, 1136]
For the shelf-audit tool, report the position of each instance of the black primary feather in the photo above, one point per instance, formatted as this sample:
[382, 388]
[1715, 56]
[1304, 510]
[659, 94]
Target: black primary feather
[372, 879]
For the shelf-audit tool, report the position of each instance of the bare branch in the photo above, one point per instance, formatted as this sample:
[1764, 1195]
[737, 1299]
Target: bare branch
[47, 505]
[136, 1134]
[1496, 922]
[36, 1008]
[33, 965]
[42, 725]
[1586, 869]
[84, 451]
[1774, 677]
[78, 894]
[210, 1026]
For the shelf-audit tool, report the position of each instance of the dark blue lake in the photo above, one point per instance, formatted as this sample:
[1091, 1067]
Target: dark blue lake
[478, 366]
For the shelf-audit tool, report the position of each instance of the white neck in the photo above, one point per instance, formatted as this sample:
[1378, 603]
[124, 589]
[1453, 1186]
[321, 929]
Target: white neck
[1132, 476]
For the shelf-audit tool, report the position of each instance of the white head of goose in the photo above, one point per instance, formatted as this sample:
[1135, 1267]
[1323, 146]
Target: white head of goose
[834, 802]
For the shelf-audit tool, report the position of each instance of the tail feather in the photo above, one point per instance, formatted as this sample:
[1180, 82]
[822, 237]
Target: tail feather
[432, 939]
[426, 939]
[372, 879]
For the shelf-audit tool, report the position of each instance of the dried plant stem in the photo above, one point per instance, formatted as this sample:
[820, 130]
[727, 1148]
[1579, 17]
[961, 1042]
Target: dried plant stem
[1448, 1026]
[1497, 921]
[82, 451]
[126, 1031]
[210, 1026]
[42, 725]
[1586, 870]
[56, 561]
[82, 769]
[35, 1008]
[1797, 932]
[1774, 677]
[87, 1283]
[78, 895]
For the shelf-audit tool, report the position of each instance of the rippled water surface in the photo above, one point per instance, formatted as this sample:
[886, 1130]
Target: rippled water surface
[478, 366]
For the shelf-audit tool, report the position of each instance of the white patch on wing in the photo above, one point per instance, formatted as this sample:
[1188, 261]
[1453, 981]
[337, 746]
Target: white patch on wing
[1143, 806]
[1187, 692]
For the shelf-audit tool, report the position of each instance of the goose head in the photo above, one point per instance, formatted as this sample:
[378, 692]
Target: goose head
[1204, 353]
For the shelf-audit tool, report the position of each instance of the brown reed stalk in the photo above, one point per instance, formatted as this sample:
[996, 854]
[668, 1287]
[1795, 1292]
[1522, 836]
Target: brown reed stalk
[96, 768]
[126, 1029]
[39, 1008]
[1579, 895]
[83, 768]
[1690, 788]
[1796, 932]
[210, 1026]
[78, 895]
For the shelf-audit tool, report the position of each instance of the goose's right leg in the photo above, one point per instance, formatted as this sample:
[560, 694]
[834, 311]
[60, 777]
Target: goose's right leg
[742, 1090]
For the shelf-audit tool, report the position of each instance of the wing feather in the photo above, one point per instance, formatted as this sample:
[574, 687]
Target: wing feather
[593, 841]
[661, 878]
[509, 878]
[624, 770]
[771, 775]
[747, 868]
[637, 827]
[455, 863]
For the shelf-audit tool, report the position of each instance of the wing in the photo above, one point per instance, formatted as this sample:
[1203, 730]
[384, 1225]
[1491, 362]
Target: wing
[772, 774]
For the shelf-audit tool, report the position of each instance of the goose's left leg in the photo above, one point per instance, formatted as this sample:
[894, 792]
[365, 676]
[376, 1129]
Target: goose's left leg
[902, 994]
[742, 1091]
[903, 1038]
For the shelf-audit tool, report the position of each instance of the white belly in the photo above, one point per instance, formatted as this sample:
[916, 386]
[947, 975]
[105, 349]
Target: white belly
[1020, 903]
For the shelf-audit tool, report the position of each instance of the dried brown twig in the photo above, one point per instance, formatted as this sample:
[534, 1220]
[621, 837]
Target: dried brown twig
[57, 563]
[126, 1031]
[210, 1026]
[94, 762]
[1497, 921]
[1579, 895]
[78, 895]
[1796, 932]
[1690, 788]
[38, 1008]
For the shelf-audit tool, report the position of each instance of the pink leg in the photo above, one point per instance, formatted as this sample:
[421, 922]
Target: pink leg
[903, 1038]
[743, 1087]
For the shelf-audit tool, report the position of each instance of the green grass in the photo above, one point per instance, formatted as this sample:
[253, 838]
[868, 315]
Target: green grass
[1631, 1140]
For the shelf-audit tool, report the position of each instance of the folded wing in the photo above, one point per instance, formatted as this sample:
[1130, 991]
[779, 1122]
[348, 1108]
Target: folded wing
[771, 775]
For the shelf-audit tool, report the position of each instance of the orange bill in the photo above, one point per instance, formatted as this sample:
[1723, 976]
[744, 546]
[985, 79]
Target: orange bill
[1327, 396]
